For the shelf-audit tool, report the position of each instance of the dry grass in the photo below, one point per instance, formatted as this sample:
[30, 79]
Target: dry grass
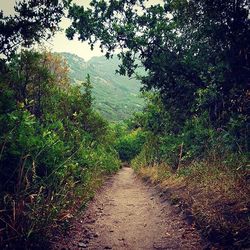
[217, 198]
[32, 220]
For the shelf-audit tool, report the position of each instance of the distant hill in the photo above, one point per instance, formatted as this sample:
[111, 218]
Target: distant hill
[116, 96]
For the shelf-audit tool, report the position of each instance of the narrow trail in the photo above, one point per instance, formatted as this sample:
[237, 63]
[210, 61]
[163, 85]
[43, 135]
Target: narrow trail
[127, 214]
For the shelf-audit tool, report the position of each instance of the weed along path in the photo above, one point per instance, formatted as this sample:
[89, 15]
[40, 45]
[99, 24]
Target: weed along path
[127, 214]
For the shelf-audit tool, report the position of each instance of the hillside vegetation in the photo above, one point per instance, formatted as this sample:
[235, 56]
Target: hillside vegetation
[55, 148]
[116, 97]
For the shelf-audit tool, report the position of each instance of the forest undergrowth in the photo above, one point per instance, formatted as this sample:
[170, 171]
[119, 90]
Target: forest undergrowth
[55, 149]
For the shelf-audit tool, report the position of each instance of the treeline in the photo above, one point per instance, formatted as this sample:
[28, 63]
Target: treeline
[54, 150]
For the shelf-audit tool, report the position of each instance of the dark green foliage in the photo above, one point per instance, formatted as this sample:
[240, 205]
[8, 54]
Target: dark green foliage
[195, 52]
[128, 142]
[197, 139]
[32, 22]
[53, 145]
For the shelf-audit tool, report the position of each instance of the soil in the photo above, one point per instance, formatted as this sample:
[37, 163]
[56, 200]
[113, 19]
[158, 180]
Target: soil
[127, 214]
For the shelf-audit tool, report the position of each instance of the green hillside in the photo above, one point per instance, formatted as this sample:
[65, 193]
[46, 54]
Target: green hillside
[116, 96]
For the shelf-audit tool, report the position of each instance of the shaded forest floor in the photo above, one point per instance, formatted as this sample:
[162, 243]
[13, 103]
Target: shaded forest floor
[127, 214]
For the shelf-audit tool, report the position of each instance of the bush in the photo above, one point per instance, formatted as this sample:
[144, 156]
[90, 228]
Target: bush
[129, 145]
[54, 148]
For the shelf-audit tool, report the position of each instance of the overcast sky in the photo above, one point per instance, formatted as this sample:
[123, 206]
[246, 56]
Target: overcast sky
[60, 43]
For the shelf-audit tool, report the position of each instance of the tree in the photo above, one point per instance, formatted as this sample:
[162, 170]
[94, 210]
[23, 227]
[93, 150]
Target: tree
[34, 77]
[192, 50]
[33, 21]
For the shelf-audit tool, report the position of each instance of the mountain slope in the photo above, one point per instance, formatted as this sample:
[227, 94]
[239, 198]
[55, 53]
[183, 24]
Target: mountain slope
[116, 96]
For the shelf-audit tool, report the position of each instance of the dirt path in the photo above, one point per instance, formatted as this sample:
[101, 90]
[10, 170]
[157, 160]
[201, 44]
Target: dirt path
[127, 214]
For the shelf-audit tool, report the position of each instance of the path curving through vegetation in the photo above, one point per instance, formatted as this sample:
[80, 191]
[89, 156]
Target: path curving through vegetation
[127, 214]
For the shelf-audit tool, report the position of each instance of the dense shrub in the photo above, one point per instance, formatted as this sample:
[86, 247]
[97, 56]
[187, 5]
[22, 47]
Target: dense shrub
[128, 142]
[53, 145]
[197, 139]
